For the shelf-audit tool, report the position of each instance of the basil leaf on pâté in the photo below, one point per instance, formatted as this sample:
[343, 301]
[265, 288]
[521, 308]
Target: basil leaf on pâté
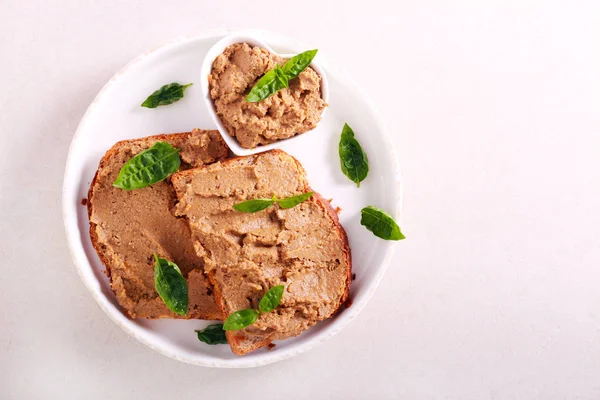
[293, 201]
[167, 94]
[240, 319]
[295, 65]
[246, 317]
[380, 223]
[279, 77]
[271, 82]
[171, 285]
[254, 205]
[148, 167]
[353, 159]
[212, 334]
[271, 299]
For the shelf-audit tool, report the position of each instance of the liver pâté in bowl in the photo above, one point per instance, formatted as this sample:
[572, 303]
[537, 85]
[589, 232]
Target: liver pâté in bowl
[232, 67]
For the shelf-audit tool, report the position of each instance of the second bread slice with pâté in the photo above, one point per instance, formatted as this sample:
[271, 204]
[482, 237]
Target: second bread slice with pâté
[303, 248]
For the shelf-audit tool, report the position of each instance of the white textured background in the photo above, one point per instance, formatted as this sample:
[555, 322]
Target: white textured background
[495, 112]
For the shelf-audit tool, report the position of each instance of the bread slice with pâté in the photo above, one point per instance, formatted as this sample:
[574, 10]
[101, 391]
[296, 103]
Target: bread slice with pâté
[128, 226]
[304, 248]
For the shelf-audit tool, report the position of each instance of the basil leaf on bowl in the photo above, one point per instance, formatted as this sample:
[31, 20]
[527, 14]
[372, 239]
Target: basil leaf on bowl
[148, 167]
[167, 94]
[295, 65]
[212, 334]
[171, 285]
[293, 201]
[254, 205]
[380, 223]
[353, 159]
[279, 77]
[271, 299]
[240, 319]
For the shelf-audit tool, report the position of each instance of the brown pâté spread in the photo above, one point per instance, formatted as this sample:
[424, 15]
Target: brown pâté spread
[289, 112]
[128, 226]
[303, 248]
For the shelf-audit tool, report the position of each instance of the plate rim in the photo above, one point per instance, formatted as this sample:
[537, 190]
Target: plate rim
[75, 245]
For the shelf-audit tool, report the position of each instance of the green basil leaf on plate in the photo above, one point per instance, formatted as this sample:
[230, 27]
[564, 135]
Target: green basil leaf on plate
[380, 223]
[240, 319]
[353, 159]
[167, 94]
[293, 201]
[295, 65]
[148, 167]
[271, 299]
[171, 285]
[271, 82]
[212, 334]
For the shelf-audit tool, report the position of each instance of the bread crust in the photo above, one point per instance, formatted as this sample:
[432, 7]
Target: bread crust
[326, 204]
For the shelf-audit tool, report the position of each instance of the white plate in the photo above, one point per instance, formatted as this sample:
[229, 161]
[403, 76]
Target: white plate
[116, 114]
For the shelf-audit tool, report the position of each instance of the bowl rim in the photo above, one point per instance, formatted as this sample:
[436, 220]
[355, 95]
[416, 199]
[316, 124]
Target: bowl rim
[76, 245]
[251, 37]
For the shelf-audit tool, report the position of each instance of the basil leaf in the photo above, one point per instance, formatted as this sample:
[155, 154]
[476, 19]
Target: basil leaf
[283, 79]
[278, 78]
[240, 319]
[295, 65]
[294, 200]
[167, 94]
[271, 82]
[212, 334]
[148, 167]
[171, 285]
[380, 223]
[271, 299]
[353, 159]
[255, 205]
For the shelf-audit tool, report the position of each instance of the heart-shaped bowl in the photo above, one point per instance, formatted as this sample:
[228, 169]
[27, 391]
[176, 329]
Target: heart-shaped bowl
[251, 39]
